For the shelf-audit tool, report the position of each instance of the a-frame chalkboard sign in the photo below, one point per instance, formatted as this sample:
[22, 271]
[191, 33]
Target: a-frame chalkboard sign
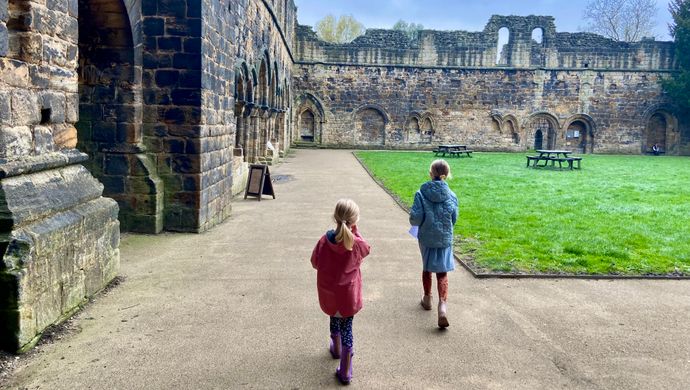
[259, 182]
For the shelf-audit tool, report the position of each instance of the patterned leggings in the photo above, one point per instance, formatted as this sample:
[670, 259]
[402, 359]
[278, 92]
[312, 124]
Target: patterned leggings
[441, 278]
[344, 327]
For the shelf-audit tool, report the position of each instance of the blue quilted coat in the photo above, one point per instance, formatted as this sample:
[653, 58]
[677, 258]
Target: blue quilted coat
[435, 211]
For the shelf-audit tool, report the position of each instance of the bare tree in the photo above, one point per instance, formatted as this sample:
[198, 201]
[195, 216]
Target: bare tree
[621, 20]
[343, 30]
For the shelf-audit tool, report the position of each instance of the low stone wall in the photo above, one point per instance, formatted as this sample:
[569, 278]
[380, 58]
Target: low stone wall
[59, 243]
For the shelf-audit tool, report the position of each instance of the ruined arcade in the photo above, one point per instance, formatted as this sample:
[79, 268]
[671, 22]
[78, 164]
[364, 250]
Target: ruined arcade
[142, 116]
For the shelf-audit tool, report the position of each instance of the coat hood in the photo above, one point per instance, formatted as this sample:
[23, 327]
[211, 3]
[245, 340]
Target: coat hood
[436, 191]
[335, 247]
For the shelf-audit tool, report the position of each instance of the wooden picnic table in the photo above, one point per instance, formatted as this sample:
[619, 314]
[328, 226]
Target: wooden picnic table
[453, 150]
[554, 156]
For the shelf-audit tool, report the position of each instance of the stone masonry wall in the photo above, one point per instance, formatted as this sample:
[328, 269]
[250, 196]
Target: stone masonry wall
[479, 49]
[172, 105]
[604, 92]
[58, 236]
[262, 79]
[472, 106]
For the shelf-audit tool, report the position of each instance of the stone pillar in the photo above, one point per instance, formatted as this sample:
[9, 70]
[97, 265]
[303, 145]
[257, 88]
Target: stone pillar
[59, 236]
[59, 243]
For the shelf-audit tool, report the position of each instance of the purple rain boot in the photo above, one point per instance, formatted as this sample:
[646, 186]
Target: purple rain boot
[335, 345]
[344, 371]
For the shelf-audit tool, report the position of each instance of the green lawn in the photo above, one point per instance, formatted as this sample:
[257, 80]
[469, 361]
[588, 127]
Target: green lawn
[618, 215]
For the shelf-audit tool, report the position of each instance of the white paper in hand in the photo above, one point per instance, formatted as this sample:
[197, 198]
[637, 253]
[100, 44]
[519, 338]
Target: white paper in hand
[413, 231]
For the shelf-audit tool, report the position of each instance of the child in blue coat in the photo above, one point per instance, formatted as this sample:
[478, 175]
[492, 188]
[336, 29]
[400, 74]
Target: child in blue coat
[435, 211]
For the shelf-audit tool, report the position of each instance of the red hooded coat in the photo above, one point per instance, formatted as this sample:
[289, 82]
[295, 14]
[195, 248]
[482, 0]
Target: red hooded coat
[338, 279]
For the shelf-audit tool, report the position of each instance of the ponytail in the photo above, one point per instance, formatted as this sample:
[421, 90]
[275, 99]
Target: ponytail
[440, 170]
[346, 214]
[344, 234]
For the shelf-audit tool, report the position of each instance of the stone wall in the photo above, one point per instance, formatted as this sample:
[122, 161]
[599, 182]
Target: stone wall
[579, 91]
[262, 78]
[480, 49]
[489, 110]
[58, 236]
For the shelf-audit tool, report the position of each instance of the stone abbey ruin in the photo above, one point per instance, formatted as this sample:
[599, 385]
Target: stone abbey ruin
[143, 115]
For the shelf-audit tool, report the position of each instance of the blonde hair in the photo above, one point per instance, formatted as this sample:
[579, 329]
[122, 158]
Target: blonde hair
[346, 214]
[440, 169]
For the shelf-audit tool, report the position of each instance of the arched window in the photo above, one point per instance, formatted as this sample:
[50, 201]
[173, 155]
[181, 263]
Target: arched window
[538, 35]
[656, 131]
[263, 84]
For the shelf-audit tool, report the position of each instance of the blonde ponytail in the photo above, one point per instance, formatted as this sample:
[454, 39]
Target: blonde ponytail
[344, 234]
[346, 214]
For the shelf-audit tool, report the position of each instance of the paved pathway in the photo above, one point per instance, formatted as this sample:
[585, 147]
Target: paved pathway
[236, 308]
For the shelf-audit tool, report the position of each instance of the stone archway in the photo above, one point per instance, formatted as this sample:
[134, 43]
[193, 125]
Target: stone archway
[543, 126]
[110, 113]
[656, 131]
[579, 133]
[370, 126]
[307, 126]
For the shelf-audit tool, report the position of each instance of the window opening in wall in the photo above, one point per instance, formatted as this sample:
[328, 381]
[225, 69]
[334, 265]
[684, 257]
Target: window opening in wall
[45, 116]
[502, 47]
[538, 35]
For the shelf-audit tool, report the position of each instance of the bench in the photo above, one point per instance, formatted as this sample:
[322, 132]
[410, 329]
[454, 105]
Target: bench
[650, 151]
[571, 160]
[560, 160]
[532, 158]
[459, 153]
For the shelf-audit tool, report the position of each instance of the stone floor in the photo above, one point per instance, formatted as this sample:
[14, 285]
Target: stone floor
[236, 307]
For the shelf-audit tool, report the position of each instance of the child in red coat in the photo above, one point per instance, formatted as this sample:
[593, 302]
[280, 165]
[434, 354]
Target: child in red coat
[336, 258]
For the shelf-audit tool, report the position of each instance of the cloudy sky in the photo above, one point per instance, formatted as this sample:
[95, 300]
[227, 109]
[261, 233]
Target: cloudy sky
[469, 15]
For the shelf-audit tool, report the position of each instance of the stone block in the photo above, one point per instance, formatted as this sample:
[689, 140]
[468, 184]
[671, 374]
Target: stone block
[63, 79]
[149, 8]
[14, 73]
[186, 97]
[43, 139]
[173, 8]
[174, 115]
[73, 8]
[28, 47]
[194, 9]
[116, 164]
[187, 61]
[190, 79]
[167, 78]
[55, 103]
[154, 26]
[4, 14]
[187, 28]
[112, 185]
[169, 43]
[71, 107]
[58, 5]
[102, 131]
[5, 108]
[15, 142]
[192, 45]
[64, 136]
[4, 40]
